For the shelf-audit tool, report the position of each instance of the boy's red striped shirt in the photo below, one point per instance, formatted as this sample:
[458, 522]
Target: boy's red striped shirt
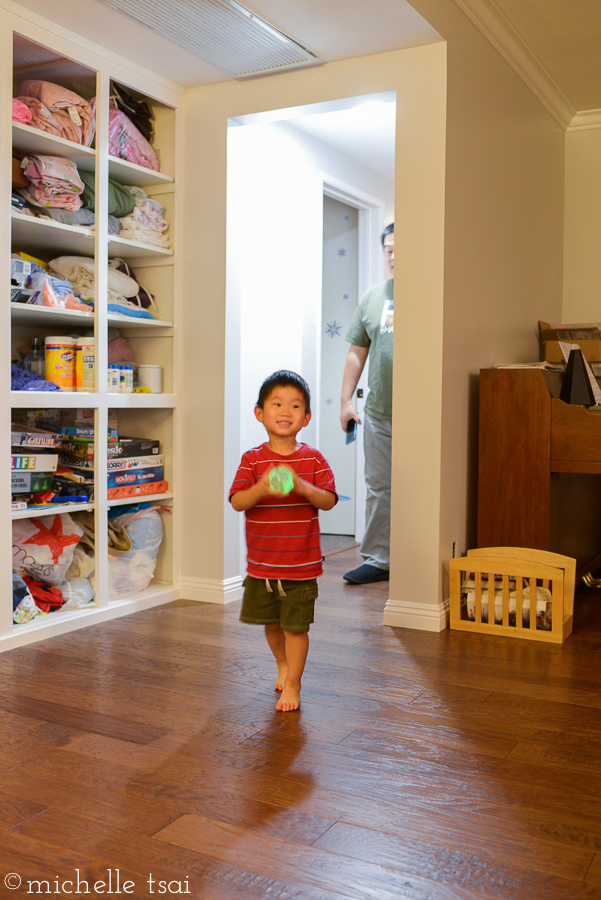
[282, 533]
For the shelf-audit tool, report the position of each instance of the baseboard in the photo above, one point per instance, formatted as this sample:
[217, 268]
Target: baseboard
[422, 616]
[209, 590]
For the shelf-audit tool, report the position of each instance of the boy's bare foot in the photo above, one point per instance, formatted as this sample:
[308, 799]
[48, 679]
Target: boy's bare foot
[289, 701]
[282, 672]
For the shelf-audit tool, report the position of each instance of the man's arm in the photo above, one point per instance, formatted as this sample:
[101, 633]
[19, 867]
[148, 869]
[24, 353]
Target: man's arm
[355, 363]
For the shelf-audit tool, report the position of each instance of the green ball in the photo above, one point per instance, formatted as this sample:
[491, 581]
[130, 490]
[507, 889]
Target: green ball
[280, 479]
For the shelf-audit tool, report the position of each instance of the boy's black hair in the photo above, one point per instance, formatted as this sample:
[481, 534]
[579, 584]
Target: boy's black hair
[388, 230]
[284, 378]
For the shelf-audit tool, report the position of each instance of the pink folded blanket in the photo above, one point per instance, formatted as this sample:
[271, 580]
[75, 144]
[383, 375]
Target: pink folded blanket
[54, 182]
[127, 142]
[66, 113]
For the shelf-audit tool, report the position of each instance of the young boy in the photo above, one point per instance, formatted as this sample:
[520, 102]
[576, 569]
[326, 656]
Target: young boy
[282, 529]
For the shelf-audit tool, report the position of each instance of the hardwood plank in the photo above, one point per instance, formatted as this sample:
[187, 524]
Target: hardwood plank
[84, 719]
[578, 762]
[456, 864]
[14, 810]
[138, 815]
[593, 876]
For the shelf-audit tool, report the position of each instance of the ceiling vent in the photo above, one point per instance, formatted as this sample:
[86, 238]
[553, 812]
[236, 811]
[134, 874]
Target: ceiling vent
[223, 32]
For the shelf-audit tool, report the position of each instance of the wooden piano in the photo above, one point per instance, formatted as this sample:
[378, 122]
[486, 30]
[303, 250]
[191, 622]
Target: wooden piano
[539, 472]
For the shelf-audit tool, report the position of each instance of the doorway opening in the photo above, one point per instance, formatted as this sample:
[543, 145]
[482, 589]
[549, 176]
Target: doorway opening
[281, 163]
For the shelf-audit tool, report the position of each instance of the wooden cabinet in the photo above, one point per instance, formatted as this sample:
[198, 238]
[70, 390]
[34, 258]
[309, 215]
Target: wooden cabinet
[539, 483]
[60, 58]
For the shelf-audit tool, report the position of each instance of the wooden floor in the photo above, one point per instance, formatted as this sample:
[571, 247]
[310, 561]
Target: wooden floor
[421, 766]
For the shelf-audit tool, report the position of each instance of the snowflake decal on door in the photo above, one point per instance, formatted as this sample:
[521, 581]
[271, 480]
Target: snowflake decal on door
[333, 329]
[342, 252]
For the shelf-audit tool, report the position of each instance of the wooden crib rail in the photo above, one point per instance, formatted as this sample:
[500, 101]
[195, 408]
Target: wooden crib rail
[537, 567]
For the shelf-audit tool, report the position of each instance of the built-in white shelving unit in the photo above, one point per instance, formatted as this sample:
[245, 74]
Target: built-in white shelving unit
[55, 55]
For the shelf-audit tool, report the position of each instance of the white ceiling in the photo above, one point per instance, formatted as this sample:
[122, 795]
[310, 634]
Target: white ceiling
[365, 132]
[334, 29]
[563, 35]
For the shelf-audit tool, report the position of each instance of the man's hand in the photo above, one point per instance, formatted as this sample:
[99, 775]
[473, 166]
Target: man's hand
[355, 362]
[348, 412]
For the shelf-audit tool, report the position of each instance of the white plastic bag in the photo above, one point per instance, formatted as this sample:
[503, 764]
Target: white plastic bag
[43, 548]
[77, 592]
[133, 571]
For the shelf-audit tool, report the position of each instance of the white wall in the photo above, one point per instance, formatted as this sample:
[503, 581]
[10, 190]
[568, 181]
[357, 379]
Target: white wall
[275, 200]
[582, 272]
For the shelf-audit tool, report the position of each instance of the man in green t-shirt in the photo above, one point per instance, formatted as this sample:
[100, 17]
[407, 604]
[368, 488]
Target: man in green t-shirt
[370, 334]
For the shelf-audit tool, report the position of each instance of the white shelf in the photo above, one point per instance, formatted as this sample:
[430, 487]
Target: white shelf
[54, 510]
[42, 622]
[141, 401]
[63, 621]
[148, 498]
[53, 400]
[129, 173]
[77, 399]
[33, 142]
[136, 322]
[126, 249]
[43, 316]
[46, 237]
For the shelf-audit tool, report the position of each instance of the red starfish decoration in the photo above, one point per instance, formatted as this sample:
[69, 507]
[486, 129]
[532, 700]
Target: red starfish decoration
[52, 537]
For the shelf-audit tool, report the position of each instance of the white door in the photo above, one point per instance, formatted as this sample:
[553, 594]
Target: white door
[339, 301]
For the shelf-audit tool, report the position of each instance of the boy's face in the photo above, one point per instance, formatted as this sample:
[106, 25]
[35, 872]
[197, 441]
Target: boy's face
[283, 413]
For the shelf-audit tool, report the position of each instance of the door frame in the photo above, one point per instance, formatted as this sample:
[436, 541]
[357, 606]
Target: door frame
[370, 271]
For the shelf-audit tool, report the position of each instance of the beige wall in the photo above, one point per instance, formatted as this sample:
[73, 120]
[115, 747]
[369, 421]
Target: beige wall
[582, 275]
[503, 251]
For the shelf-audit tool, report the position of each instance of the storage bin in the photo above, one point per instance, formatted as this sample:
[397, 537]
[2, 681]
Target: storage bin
[532, 593]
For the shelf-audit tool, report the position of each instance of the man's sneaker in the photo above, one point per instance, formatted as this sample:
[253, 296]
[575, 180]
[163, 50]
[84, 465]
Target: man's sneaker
[366, 574]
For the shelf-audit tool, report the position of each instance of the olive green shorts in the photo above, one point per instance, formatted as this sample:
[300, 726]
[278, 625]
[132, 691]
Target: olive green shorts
[293, 612]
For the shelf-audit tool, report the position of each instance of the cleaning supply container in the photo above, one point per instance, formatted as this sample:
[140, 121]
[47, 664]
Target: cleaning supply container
[60, 361]
[85, 364]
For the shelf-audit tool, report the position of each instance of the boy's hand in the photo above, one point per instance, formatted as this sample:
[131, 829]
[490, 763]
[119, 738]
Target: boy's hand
[317, 497]
[248, 498]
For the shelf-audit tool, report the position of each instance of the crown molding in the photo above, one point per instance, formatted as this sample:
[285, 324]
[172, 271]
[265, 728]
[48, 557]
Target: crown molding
[499, 31]
[585, 120]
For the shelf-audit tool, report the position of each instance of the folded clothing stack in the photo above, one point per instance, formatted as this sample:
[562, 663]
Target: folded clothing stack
[146, 222]
[53, 182]
[57, 110]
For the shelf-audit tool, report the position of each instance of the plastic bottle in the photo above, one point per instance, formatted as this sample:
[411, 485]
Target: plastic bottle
[114, 378]
[35, 359]
[127, 379]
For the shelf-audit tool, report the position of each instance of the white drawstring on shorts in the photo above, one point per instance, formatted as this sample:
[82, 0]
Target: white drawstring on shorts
[281, 591]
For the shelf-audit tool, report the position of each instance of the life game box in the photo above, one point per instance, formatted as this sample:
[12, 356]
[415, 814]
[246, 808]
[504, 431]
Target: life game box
[33, 462]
